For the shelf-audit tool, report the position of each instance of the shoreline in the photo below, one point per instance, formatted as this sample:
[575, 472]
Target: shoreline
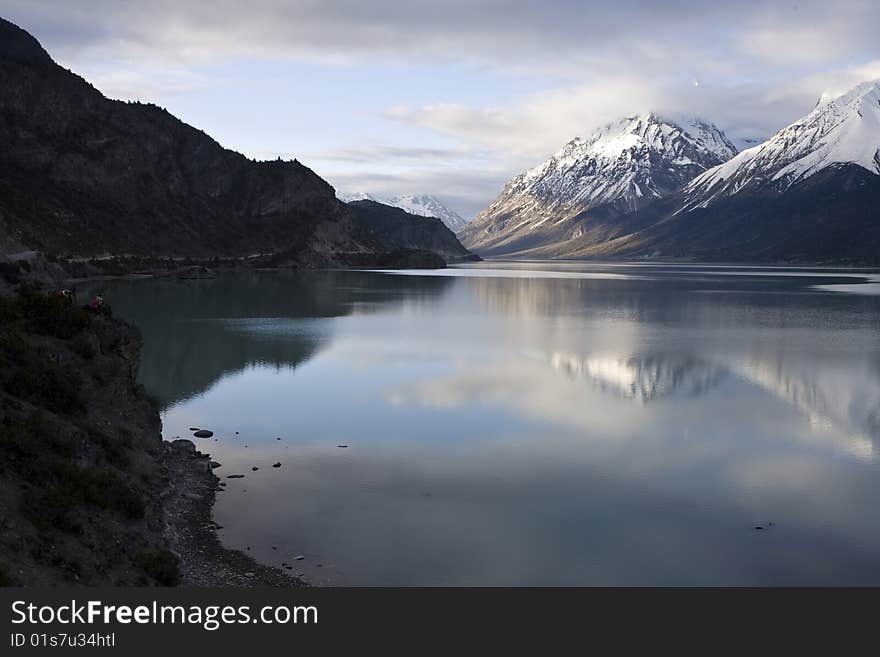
[92, 494]
[191, 533]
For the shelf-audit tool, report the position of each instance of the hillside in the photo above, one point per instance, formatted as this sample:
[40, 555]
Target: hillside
[400, 229]
[421, 205]
[83, 175]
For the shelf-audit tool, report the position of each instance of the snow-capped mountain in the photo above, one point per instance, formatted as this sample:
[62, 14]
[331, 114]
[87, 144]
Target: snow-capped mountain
[421, 205]
[810, 193]
[840, 130]
[613, 171]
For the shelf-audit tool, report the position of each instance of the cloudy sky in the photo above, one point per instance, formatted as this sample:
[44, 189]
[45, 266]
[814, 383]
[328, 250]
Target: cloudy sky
[453, 97]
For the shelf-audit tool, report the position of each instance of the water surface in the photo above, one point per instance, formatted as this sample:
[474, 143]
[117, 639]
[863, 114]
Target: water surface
[533, 424]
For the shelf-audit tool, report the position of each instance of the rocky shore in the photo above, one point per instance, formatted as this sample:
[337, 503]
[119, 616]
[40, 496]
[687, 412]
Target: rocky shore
[90, 494]
[192, 534]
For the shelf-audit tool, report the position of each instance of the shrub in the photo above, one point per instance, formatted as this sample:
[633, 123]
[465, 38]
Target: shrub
[11, 272]
[69, 486]
[49, 385]
[101, 488]
[5, 577]
[58, 486]
[114, 448]
[85, 346]
[50, 314]
[163, 566]
[8, 311]
[13, 345]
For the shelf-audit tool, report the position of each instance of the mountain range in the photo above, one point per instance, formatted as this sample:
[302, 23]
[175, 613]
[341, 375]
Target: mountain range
[650, 187]
[581, 190]
[83, 176]
[420, 205]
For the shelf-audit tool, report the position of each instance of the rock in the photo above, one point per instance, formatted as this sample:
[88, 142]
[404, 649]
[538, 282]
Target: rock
[203, 433]
[236, 476]
[215, 465]
[193, 428]
[342, 446]
[299, 558]
[195, 272]
[185, 445]
[255, 468]
[276, 465]
[249, 574]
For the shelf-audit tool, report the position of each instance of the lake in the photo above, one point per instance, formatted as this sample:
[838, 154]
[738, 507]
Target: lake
[532, 423]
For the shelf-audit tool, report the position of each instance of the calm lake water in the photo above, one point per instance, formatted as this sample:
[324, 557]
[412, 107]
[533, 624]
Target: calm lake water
[532, 424]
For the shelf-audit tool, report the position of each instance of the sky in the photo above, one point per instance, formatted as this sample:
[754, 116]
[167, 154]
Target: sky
[451, 97]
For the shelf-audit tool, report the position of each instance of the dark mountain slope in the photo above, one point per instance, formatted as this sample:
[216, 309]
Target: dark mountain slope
[832, 216]
[400, 229]
[84, 175]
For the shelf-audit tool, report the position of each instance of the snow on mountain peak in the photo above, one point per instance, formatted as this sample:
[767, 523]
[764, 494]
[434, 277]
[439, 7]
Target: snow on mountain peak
[623, 138]
[614, 170]
[634, 157]
[841, 129]
[422, 205]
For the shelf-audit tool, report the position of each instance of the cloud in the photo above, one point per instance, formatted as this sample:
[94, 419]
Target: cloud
[564, 35]
[135, 85]
[562, 68]
[370, 154]
[541, 123]
[465, 190]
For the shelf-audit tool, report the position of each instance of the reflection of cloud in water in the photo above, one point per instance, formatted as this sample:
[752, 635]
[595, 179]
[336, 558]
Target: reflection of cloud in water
[842, 407]
[845, 399]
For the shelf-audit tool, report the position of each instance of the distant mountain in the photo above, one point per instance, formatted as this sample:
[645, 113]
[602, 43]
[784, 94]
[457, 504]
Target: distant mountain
[810, 193]
[83, 175]
[422, 205]
[399, 229]
[579, 193]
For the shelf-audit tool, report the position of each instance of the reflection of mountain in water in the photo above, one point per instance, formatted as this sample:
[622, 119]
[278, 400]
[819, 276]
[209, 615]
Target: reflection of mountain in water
[847, 399]
[642, 378]
[844, 399]
[728, 320]
[195, 332]
[690, 298]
